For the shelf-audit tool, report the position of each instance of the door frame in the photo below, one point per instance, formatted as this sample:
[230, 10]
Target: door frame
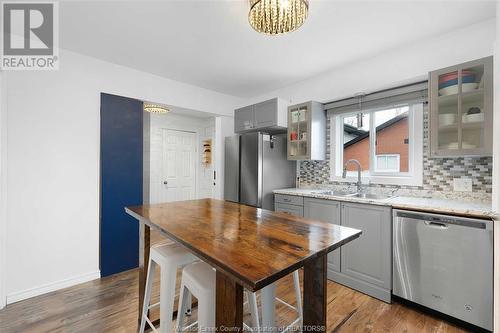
[196, 153]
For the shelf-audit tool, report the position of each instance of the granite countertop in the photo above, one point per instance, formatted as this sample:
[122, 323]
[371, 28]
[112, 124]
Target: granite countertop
[433, 205]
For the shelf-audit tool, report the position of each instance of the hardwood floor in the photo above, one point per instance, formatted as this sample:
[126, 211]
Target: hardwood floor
[110, 305]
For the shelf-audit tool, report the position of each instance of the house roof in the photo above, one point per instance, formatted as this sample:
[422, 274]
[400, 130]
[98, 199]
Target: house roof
[364, 134]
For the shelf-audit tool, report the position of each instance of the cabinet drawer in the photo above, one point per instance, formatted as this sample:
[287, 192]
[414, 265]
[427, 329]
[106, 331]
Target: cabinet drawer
[289, 209]
[289, 199]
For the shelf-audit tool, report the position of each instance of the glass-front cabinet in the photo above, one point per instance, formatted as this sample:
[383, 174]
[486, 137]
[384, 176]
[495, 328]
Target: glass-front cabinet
[306, 131]
[461, 109]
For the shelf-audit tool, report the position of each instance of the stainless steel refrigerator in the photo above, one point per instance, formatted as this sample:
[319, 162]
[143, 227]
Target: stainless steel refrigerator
[255, 165]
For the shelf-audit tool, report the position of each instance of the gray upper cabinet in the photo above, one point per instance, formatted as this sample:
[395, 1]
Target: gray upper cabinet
[268, 116]
[367, 261]
[243, 119]
[461, 109]
[306, 131]
[265, 113]
[326, 211]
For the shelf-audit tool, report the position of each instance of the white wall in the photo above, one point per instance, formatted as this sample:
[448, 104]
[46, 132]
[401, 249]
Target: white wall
[393, 67]
[52, 162]
[204, 129]
[3, 180]
[224, 126]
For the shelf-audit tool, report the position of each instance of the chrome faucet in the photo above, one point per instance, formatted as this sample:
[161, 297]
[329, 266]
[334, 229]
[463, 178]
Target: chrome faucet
[344, 173]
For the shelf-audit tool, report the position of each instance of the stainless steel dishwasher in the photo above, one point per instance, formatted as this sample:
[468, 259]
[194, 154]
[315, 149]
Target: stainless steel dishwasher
[445, 263]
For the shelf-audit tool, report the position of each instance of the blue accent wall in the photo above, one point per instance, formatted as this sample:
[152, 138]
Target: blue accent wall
[121, 182]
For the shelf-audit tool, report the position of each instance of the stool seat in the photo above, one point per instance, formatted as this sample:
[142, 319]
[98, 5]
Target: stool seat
[200, 277]
[171, 253]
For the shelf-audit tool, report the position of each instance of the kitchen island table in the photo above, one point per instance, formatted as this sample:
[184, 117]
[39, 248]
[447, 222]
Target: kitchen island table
[250, 248]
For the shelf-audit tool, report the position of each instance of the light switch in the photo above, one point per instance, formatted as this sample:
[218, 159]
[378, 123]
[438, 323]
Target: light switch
[462, 184]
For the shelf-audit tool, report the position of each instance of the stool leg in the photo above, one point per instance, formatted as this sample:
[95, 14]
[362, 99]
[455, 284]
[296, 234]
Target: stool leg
[206, 313]
[298, 295]
[268, 294]
[189, 304]
[254, 311]
[167, 295]
[181, 314]
[147, 293]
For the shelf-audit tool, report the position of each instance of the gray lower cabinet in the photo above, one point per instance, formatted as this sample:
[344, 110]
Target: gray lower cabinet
[366, 262]
[289, 209]
[326, 211]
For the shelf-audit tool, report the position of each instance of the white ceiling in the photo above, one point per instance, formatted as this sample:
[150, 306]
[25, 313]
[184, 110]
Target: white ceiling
[210, 43]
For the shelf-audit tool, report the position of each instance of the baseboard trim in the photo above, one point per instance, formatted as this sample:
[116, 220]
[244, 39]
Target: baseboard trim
[53, 286]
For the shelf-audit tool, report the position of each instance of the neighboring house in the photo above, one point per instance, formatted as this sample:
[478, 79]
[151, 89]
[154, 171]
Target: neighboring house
[392, 145]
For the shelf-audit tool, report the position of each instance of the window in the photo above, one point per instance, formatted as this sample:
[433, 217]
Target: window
[386, 141]
[387, 163]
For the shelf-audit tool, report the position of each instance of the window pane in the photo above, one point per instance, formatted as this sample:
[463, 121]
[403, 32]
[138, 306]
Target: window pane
[357, 140]
[392, 163]
[392, 138]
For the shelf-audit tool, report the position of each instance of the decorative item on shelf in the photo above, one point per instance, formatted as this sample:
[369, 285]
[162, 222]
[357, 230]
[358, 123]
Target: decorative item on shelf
[273, 17]
[303, 115]
[207, 152]
[155, 108]
[303, 136]
[294, 136]
[295, 116]
[473, 115]
[448, 83]
[447, 119]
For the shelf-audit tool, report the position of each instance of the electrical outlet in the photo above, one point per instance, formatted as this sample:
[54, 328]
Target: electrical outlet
[462, 184]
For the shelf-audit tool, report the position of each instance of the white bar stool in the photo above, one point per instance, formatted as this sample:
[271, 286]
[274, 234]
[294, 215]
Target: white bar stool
[169, 257]
[198, 279]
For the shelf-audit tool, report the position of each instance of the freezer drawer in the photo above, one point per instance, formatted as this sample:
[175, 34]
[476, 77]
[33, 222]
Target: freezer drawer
[446, 264]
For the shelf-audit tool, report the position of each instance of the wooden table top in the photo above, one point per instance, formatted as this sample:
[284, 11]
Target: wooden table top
[253, 246]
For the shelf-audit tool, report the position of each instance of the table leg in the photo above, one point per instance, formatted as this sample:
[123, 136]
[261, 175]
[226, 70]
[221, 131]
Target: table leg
[229, 304]
[314, 305]
[268, 295]
[144, 244]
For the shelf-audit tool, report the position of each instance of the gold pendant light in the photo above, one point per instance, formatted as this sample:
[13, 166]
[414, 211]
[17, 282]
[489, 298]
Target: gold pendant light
[155, 108]
[275, 17]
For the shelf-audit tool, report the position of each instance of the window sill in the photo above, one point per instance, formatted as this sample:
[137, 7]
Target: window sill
[382, 180]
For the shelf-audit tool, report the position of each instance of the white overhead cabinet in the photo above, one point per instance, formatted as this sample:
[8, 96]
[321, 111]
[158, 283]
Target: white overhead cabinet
[461, 109]
[268, 116]
[307, 131]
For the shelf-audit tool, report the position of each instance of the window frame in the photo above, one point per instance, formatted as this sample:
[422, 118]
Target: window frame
[414, 176]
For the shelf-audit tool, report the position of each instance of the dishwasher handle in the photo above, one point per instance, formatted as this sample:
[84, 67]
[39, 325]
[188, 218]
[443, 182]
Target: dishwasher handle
[444, 220]
[436, 225]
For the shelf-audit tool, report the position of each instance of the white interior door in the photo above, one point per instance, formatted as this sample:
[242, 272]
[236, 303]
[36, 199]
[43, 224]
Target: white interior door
[178, 166]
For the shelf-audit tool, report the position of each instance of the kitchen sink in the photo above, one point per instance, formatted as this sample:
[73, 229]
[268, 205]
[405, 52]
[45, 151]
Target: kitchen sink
[354, 195]
[370, 196]
[334, 193]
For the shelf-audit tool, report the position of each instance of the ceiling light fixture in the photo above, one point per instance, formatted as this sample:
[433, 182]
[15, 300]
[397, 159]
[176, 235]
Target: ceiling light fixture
[275, 17]
[155, 108]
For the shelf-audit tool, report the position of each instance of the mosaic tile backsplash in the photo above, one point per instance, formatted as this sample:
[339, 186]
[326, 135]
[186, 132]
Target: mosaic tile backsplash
[437, 179]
